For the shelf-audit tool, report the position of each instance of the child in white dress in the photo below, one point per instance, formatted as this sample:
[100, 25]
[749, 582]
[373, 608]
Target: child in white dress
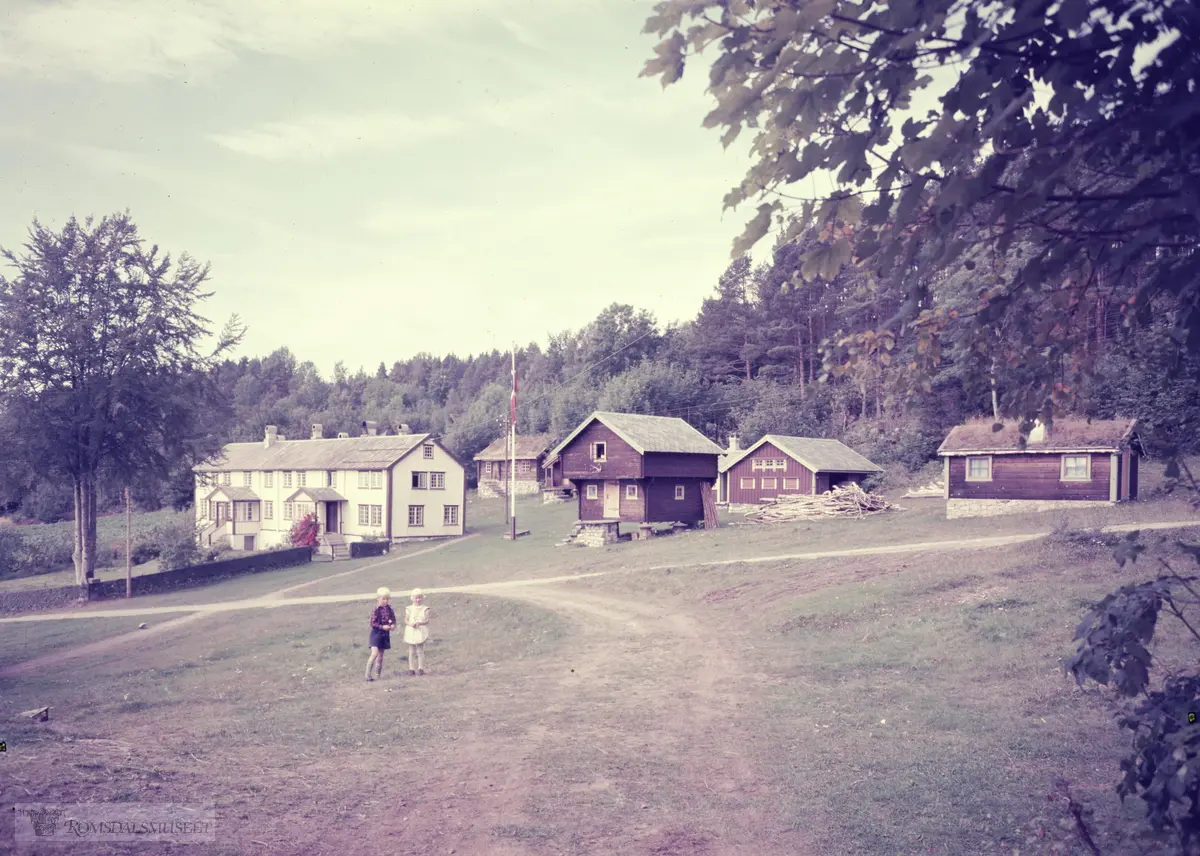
[416, 632]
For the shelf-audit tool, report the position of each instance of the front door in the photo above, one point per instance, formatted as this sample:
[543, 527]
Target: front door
[612, 500]
[249, 544]
[331, 517]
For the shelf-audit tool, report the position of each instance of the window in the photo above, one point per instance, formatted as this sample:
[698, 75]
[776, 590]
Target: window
[246, 481]
[525, 467]
[979, 469]
[416, 515]
[450, 515]
[301, 479]
[364, 515]
[331, 478]
[592, 492]
[364, 479]
[226, 478]
[747, 484]
[768, 464]
[287, 480]
[376, 479]
[1076, 467]
[268, 479]
[631, 491]
[289, 511]
[420, 481]
[599, 451]
[679, 491]
[791, 484]
[437, 481]
[770, 484]
[268, 510]
[427, 452]
[376, 515]
[487, 469]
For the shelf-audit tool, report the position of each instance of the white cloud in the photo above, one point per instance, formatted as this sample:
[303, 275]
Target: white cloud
[316, 137]
[129, 40]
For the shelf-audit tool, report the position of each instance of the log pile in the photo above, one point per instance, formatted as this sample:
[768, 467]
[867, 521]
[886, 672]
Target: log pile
[848, 500]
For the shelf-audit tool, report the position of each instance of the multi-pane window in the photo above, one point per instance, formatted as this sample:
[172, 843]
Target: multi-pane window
[450, 515]
[599, 451]
[979, 469]
[331, 478]
[428, 451]
[1076, 467]
[437, 481]
[416, 515]
[768, 464]
[747, 484]
[376, 515]
[524, 467]
[420, 481]
[593, 492]
[487, 469]
[376, 479]
[364, 479]
[227, 478]
[769, 484]
[631, 491]
[364, 515]
[268, 510]
[301, 478]
[791, 484]
[679, 491]
[268, 479]
[287, 479]
[289, 511]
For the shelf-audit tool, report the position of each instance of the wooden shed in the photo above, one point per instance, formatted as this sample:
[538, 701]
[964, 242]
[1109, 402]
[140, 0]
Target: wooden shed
[494, 462]
[1073, 463]
[777, 464]
[628, 468]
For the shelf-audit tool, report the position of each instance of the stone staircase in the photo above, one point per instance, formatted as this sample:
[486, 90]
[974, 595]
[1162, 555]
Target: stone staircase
[571, 540]
[336, 544]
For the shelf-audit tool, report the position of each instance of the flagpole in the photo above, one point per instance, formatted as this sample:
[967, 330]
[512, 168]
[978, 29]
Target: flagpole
[512, 465]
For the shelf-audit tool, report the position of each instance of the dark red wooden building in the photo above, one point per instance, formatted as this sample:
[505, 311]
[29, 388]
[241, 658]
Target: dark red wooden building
[494, 462]
[628, 468]
[1070, 464]
[778, 465]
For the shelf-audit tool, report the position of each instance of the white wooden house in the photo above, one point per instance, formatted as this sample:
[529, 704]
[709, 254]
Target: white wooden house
[397, 488]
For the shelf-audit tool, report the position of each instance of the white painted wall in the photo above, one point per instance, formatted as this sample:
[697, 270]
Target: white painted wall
[434, 501]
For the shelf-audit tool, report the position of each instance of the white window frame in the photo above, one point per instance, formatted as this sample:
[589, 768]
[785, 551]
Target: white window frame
[437, 481]
[289, 511]
[771, 483]
[287, 478]
[593, 492]
[364, 515]
[971, 478]
[227, 478]
[420, 480]
[331, 478]
[631, 491]
[364, 480]
[487, 468]
[268, 479]
[247, 479]
[1062, 469]
[743, 483]
[680, 491]
[795, 483]
[376, 515]
[596, 454]
[416, 516]
[524, 468]
[376, 479]
[302, 478]
[449, 515]
[268, 510]
[427, 452]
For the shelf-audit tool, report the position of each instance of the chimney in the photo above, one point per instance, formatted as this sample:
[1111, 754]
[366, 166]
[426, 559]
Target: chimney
[342, 435]
[1037, 434]
[735, 443]
[404, 428]
[318, 431]
[369, 428]
[271, 437]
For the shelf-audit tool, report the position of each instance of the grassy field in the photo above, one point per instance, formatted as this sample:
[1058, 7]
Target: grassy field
[907, 704]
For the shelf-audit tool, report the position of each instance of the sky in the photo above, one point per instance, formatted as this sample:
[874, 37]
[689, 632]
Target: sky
[371, 180]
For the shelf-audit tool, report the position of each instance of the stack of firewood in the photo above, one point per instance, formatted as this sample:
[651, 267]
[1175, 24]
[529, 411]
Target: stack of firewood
[848, 500]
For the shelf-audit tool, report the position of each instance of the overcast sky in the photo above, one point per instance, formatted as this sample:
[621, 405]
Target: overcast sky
[372, 180]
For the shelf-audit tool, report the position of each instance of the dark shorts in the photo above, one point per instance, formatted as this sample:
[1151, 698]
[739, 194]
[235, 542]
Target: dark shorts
[381, 639]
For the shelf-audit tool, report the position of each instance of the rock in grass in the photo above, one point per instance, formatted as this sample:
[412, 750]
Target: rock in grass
[143, 626]
[37, 714]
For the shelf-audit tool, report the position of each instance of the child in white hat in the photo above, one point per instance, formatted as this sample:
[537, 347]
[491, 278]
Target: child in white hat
[383, 622]
[416, 632]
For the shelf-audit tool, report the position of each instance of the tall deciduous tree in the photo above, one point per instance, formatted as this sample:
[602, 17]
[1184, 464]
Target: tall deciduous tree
[99, 360]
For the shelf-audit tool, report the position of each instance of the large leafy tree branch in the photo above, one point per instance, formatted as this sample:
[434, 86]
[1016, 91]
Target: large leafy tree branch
[100, 360]
[1069, 127]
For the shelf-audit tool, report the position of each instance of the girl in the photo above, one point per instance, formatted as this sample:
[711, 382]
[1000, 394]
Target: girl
[383, 621]
[416, 631]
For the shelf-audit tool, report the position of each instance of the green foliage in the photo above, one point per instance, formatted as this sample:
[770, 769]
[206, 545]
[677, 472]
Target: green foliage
[306, 532]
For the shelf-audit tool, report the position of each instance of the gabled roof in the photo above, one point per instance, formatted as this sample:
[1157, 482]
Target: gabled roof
[817, 454]
[234, 494]
[648, 434]
[317, 494]
[528, 448]
[350, 453]
[1065, 435]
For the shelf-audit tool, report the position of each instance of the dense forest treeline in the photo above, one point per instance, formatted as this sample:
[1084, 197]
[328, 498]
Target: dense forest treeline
[760, 356]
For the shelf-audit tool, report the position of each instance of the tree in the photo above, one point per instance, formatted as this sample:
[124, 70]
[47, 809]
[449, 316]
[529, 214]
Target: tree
[949, 125]
[99, 362]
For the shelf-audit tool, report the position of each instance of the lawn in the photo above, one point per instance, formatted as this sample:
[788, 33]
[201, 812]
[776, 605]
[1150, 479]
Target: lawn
[902, 704]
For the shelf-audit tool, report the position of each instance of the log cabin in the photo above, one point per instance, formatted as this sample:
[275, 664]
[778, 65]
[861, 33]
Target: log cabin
[493, 464]
[778, 465]
[628, 468]
[1072, 463]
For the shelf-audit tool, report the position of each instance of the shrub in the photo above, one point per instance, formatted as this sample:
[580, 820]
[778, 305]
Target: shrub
[306, 532]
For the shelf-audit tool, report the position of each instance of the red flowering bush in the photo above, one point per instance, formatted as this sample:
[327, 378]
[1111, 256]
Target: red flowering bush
[306, 532]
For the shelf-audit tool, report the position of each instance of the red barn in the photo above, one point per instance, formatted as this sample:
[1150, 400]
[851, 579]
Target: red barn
[628, 468]
[778, 465]
[1071, 464]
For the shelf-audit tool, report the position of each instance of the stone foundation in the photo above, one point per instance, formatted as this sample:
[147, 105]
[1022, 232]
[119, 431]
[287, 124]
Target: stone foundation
[956, 508]
[493, 489]
[597, 534]
[556, 495]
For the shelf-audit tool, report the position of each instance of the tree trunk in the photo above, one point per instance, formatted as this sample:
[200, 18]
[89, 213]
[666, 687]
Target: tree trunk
[77, 555]
[89, 534]
[862, 394]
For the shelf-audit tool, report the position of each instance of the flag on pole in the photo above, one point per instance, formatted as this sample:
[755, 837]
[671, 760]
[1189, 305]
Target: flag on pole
[513, 400]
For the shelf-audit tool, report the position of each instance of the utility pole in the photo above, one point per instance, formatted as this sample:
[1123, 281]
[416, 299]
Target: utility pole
[512, 464]
[128, 545]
